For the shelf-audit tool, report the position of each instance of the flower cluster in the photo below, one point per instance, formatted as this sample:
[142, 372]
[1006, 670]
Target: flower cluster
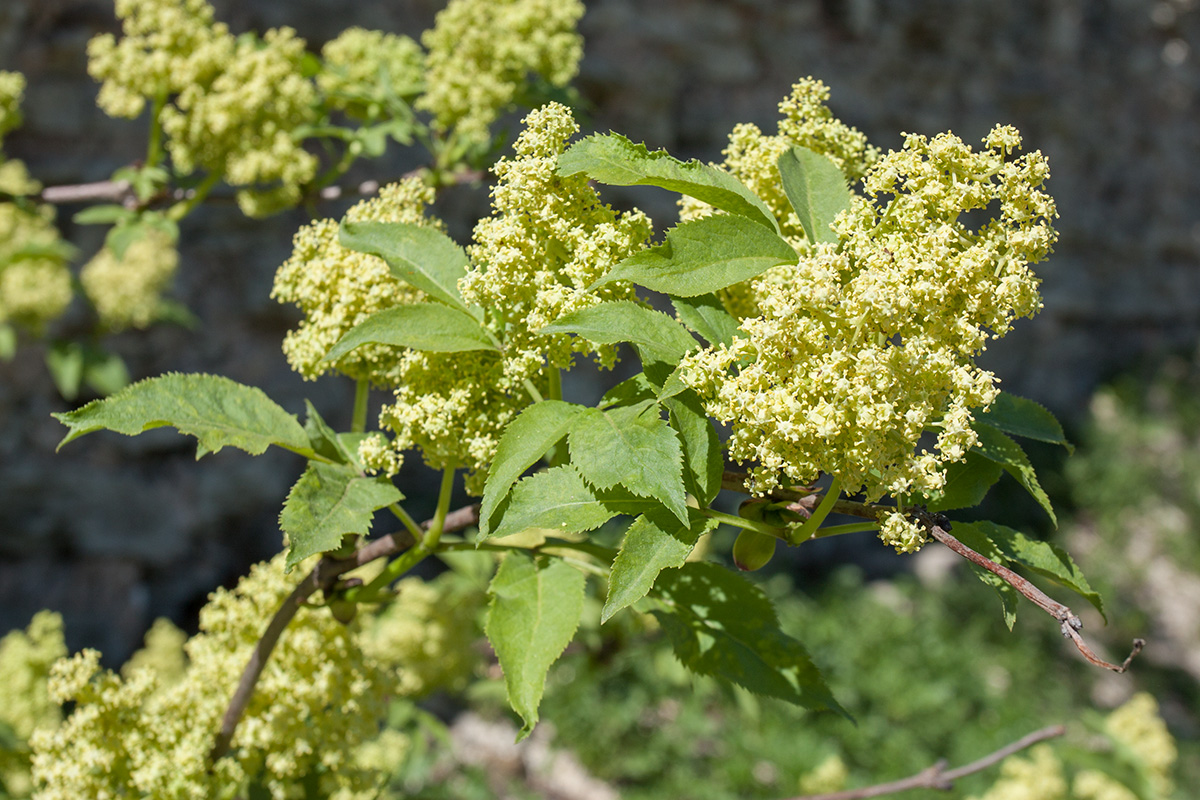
[12, 88]
[869, 342]
[228, 104]
[337, 288]
[35, 284]
[480, 53]
[25, 705]
[318, 699]
[127, 291]
[1137, 726]
[547, 240]
[364, 67]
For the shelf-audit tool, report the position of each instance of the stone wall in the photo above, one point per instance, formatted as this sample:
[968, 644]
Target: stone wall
[115, 531]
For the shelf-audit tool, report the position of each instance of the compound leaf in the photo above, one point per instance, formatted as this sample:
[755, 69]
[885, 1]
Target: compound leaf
[997, 446]
[654, 541]
[724, 626]
[707, 316]
[536, 604]
[703, 255]
[216, 410]
[656, 336]
[416, 254]
[560, 500]
[703, 462]
[432, 327]
[967, 483]
[616, 161]
[328, 502]
[1025, 418]
[816, 189]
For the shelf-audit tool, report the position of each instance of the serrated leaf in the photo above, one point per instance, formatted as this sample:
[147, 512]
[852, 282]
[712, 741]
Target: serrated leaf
[1025, 418]
[217, 411]
[967, 483]
[560, 500]
[525, 440]
[703, 255]
[997, 446]
[432, 327]
[1011, 547]
[322, 439]
[654, 541]
[328, 502]
[706, 315]
[722, 625]
[1009, 597]
[536, 604]
[816, 189]
[703, 461]
[416, 254]
[633, 447]
[616, 161]
[656, 336]
[633, 390]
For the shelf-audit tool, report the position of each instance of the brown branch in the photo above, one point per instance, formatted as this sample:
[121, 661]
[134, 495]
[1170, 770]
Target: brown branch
[324, 576]
[1068, 621]
[937, 776]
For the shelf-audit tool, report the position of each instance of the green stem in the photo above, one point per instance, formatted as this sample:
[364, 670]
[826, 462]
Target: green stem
[410, 524]
[402, 564]
[533, 392]
[362, 390]
[185, 207]
[154, 150]
[809, 528]
[555, 384]
[434, 534]
[742, 522]
[852, 527]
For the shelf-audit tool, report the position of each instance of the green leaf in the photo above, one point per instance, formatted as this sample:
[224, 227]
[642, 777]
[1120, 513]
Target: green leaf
[633, 390]
[533, 614]
[216, 410]
[997, 446]
[722, 625]
[64, 361]
[525, 440]
[703, 461]
[417, 254]
[1025, 418]
[967, 483]
[1011, 547]
[104, 214]
[1009, 597]
[103, 371]
[616, 161]
[706, 315]
[654, 541]
[328, 502]
[323, 440]
[559, 500]
[656, 336]
[8, 342]
[703, 255]
[633, 447]
[816, 189]
[422, 326]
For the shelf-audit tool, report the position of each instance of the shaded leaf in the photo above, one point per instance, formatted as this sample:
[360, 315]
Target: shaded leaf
[216, 410]
[422, 326]
[628, 392]
[706, 315]
[525, 440]
[967, 483]
[654, 541]
[560, 500]
[703, 255]
[416, 254]
[536, 604]
[722, 625]
[1025, 418]
[703, 461]
[616, 161]
[633, 447]
[999, 447]
[816, 189]
[328, 502]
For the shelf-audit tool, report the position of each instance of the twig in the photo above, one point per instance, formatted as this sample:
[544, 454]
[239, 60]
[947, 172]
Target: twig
[323, 576]
[1068, 621]
[937, 776]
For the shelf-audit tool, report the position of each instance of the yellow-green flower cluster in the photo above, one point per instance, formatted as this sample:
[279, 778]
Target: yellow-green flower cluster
[547, 240]
[12, 88]
[127, 291]
[752, 155]
[337, 288]
[318, 699]
[363, 67]
[162, 653]
[25, 705]
[869, 343]
[1138, 726]
[228, 104]
[35, 284]
[1038, 777]
[480, 53]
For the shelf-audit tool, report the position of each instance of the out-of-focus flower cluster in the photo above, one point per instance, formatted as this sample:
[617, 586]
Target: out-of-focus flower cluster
[869, 342]
[363, 67]
[337, 288]
[12, 89]
[315, 715]
[25, 705]
[127, 291]
[480, 53]
[547, 240]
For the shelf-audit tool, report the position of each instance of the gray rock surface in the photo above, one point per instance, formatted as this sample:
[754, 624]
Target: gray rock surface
[115, 531]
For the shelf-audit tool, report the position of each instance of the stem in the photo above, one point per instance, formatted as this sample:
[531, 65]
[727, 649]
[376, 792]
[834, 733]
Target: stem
[195, 198]
[409, 523]
[434, 534]
[362, 391]
[555, 383]
[154, 150]
[533, 392]
[741, 522]
[852, 527]
[809, 529]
